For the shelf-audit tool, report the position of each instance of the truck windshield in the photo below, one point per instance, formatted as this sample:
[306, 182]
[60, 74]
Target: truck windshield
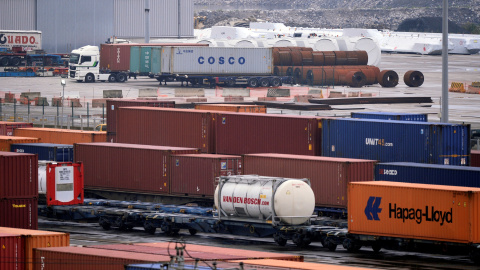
[74, 58]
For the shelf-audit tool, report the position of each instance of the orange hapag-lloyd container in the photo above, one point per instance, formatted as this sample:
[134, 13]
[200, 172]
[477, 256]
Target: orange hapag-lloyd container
[416, 211]
[232, 108]
[62, 136]
[37, 239]
[7, 141]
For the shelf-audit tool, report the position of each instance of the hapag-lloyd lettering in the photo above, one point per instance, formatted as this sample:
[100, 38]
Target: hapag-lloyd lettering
[245, 200]
[430, 214]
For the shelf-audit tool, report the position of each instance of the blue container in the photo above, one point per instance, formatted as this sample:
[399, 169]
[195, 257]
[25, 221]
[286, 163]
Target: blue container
[396, 141]
[428, 174]
[391, 116]
[46, 151]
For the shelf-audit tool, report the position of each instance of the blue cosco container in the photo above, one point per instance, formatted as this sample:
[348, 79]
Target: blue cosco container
[396, 141]
[433, 174]
[420, 117]
[46, 151]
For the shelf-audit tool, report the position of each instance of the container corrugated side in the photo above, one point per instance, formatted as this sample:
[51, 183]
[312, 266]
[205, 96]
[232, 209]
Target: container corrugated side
[264, 264]
[19, 213]
[114, 104]
[420, 117]
[433, 174]
[329, 177]
[396, 141]
[18, 175]
[46, 151]
[79, 258]
[232, 108]
[7, 141]
[194, 175]
[6, 128]
[135, 59]
[12, 253]
[62, 136]
[162, 126]
[38, 239]
[217, 61]
[127, 167]
[156, 61]
[475, 158]
[417, 211]
[245, 133]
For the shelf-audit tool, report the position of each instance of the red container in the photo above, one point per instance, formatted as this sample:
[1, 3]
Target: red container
[19, 213]
[245, 133]
[116, 57]
[12, 252]
[475, 158]
[79, 258]
[114, 104]
[64, 183]
[127, 167]
[6, 128]
[18, 175]
[328, 176]
[162, 126]
[194, 175]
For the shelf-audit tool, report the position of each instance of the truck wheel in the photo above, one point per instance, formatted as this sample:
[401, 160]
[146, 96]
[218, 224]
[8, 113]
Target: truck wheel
[276, 82]
[264, 82]
[4, 61]
[112, 78]
[253, 82]
[121, 77]
[16, 61]
[89, 78]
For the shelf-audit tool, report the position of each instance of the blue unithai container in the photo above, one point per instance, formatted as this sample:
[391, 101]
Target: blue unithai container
[420, 117]
[396, 141]
[428, 174]
[46, 151]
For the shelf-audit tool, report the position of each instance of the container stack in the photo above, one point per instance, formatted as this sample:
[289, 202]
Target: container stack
[18, 190]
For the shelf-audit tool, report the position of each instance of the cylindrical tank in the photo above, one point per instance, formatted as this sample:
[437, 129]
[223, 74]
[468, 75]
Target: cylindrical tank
[285, 200]
[42, 177]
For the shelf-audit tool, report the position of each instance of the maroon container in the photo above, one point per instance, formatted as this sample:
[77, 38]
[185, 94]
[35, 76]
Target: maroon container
[114, 104]
[244, 133]
[111, 137]
[127, 167]
[116, 57]
[19, 213]
[328, 176]
[12, 252]
[80, 258]
[475, 158]
[6, 128]
[165, 126]
[194, 175]
[18, 175]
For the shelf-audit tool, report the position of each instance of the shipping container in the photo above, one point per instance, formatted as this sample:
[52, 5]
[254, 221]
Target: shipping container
[6, 128]
[475, 158]
[396, 141]
[232, 108]
[245, 133]
[217, 61]
[7, 141]
[162, 126]
[434, 174]
[419, 117]
[64, 183]
[156, 61]
[61, 136]
[329, 177]
[415, 211]
[260, 264]
[79, 258]
[19, 213]
[128, 167]
[37, 239]
[194, 175]
[189, 265]
[18, 175]
[246, 254]
[141, 60]
[46, 151]
[27, 40]
[12, 252]
[114, 104]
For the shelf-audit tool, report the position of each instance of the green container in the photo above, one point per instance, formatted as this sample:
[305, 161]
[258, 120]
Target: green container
[145, 60]
[135, 59]
[156, 60]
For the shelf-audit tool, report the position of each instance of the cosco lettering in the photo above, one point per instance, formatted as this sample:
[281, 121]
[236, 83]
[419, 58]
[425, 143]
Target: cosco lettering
[221, 60]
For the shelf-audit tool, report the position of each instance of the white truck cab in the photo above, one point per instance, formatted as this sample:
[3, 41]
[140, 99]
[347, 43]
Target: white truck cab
[84, 65]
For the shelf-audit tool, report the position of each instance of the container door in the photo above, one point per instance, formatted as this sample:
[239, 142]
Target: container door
[155, 63]
[135, 59]
[145, 59]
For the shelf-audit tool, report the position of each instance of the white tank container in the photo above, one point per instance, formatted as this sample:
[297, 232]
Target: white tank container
[42, 177]
[285, 200]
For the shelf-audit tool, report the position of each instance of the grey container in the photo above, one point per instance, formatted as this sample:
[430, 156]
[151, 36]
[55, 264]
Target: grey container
[216, 61]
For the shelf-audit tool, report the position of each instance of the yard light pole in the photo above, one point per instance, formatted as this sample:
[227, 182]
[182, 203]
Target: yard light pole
[63, 83]
[444, 102]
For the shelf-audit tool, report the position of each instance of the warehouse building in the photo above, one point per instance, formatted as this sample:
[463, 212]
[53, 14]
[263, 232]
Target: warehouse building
[70, 24]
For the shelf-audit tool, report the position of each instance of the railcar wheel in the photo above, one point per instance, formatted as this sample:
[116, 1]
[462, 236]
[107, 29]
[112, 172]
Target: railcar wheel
[276, 82]
[279, 239]
[192, 231]
[253, 82]
[376, 247]
[264, 82]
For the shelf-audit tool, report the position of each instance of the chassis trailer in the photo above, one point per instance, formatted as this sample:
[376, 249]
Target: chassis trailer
[228, 81]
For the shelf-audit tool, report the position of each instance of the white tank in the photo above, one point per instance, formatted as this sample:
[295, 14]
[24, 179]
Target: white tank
[285, 200]
[325, 44]
[42, 177]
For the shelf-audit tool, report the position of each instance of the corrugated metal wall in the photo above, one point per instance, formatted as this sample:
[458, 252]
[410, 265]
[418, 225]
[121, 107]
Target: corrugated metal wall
[17, 15]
